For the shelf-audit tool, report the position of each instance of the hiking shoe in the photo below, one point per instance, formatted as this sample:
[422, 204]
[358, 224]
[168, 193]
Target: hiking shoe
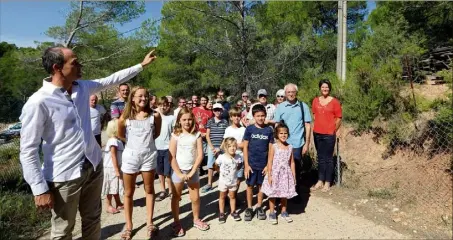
[285, 216]
[206, 189]
[260, 213]
[222, 218]
[273, 218]
[236, 216]
[248, 214]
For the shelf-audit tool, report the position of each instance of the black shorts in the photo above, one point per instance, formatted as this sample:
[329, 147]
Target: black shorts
[163, 163]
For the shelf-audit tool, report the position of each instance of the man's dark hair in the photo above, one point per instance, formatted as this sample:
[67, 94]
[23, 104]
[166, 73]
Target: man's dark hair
[258, 108]
[51, 56]
[326, 81]
[123, 84]
[205, 97]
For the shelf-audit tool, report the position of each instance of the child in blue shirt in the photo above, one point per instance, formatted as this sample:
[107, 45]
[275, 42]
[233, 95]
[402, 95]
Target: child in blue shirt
[258, 138]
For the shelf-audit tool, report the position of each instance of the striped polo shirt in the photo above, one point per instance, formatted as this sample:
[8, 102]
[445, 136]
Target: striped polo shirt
[217, 130]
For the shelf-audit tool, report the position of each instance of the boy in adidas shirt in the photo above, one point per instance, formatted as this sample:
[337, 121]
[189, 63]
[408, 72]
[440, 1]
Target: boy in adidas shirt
[257, 140]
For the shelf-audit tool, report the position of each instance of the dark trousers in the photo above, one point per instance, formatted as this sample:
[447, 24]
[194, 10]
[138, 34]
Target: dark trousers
[297, 152]
[325, 145]
[98, 139]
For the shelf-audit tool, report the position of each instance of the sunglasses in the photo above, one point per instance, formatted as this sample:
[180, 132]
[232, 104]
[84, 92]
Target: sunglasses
[217, 109]
[245, 96]
[262, 95]
[280, 96]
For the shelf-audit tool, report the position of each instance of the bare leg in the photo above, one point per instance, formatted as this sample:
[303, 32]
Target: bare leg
[222, 196]
[271, 205]
[162, 182]
[118, 200]
[194, 193]
[148, 180]
[249, 196]
[129, 189]
[210, 176]
[284, 203]
[260, 196]
[168, 179]
[232, 195]
[175, 197]
[108, 201]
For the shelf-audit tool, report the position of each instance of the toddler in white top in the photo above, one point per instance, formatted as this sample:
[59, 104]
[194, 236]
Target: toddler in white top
[229, 163]
[113, 181]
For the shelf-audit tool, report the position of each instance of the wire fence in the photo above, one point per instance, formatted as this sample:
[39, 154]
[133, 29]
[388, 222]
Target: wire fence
[404, 161]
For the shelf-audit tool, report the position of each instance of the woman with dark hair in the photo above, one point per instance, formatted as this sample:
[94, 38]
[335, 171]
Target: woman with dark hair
[327, 119]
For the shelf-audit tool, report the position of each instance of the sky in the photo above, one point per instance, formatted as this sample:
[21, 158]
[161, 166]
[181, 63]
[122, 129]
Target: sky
[23, 22]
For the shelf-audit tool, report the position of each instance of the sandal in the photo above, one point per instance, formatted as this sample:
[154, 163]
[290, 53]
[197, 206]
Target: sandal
[161, 196]
[178, 231]
[126, 234]
[120, 207]
[152, 231]
[112, 210]
[200, 225]
[316, 187]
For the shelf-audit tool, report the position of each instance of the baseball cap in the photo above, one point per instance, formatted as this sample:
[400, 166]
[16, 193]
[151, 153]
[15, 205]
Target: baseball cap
[217, 105]
[280, 92]
[262, 92]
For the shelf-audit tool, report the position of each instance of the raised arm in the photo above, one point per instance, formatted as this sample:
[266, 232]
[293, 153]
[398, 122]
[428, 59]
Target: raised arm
[124, 75]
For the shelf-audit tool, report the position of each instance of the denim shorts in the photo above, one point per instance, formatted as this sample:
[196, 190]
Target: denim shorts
[255, 178]
[194, 179]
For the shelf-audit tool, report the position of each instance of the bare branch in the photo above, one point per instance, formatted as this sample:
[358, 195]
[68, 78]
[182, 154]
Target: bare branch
[107, 57]
[212, 15]
[76, 28]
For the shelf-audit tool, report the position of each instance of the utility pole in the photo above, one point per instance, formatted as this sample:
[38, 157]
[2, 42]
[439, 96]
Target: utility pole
[341, 39]
[344, 40]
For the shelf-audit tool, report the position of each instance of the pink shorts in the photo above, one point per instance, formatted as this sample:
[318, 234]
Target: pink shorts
[225, 188]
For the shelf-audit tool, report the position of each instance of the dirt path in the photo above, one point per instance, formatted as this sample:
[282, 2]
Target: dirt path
[321, 219]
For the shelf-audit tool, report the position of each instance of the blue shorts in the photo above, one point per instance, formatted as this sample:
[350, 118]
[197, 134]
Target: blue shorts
[211, 158]
[255, 178]
[163, 163]
[240, 173]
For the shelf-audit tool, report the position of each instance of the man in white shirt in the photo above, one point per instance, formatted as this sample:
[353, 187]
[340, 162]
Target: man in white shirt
[97, 113]
[181, 104]
[270, 108]
[58, 115]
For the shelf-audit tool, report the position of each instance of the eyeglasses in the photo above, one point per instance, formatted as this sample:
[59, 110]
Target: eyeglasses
[281, 96]
[182, 102]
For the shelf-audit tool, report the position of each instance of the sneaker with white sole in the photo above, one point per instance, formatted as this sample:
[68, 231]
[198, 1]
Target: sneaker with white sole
[286, 217]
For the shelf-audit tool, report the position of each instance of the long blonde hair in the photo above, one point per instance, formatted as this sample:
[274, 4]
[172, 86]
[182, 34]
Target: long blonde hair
[112, 128]
[130, 111]
[178, 127]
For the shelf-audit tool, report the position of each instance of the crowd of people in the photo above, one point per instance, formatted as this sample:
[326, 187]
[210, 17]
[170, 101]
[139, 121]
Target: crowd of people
[251, 141]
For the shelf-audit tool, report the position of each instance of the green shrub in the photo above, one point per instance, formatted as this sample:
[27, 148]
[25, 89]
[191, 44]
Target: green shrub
[10, 168]
[19, 218]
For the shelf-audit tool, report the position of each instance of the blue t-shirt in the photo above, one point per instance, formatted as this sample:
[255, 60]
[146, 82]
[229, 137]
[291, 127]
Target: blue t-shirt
[258, 147]
[292, 115]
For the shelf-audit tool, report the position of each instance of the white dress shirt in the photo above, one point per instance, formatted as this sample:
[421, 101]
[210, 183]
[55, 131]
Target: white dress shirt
[96, 114]
[63, 123]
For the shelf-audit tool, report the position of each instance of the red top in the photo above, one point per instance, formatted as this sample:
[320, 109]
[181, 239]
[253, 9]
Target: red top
[325, 115]
[201, 118]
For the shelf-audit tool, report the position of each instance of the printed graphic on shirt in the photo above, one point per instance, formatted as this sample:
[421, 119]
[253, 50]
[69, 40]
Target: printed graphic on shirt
[258, 147]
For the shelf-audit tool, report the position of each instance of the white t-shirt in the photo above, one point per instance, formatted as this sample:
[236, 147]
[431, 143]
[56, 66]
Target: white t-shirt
[270, 110]
[107, 156]
[228, 169]
[96, 114]
[237, 133]
[186, 150]
[163, 141]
